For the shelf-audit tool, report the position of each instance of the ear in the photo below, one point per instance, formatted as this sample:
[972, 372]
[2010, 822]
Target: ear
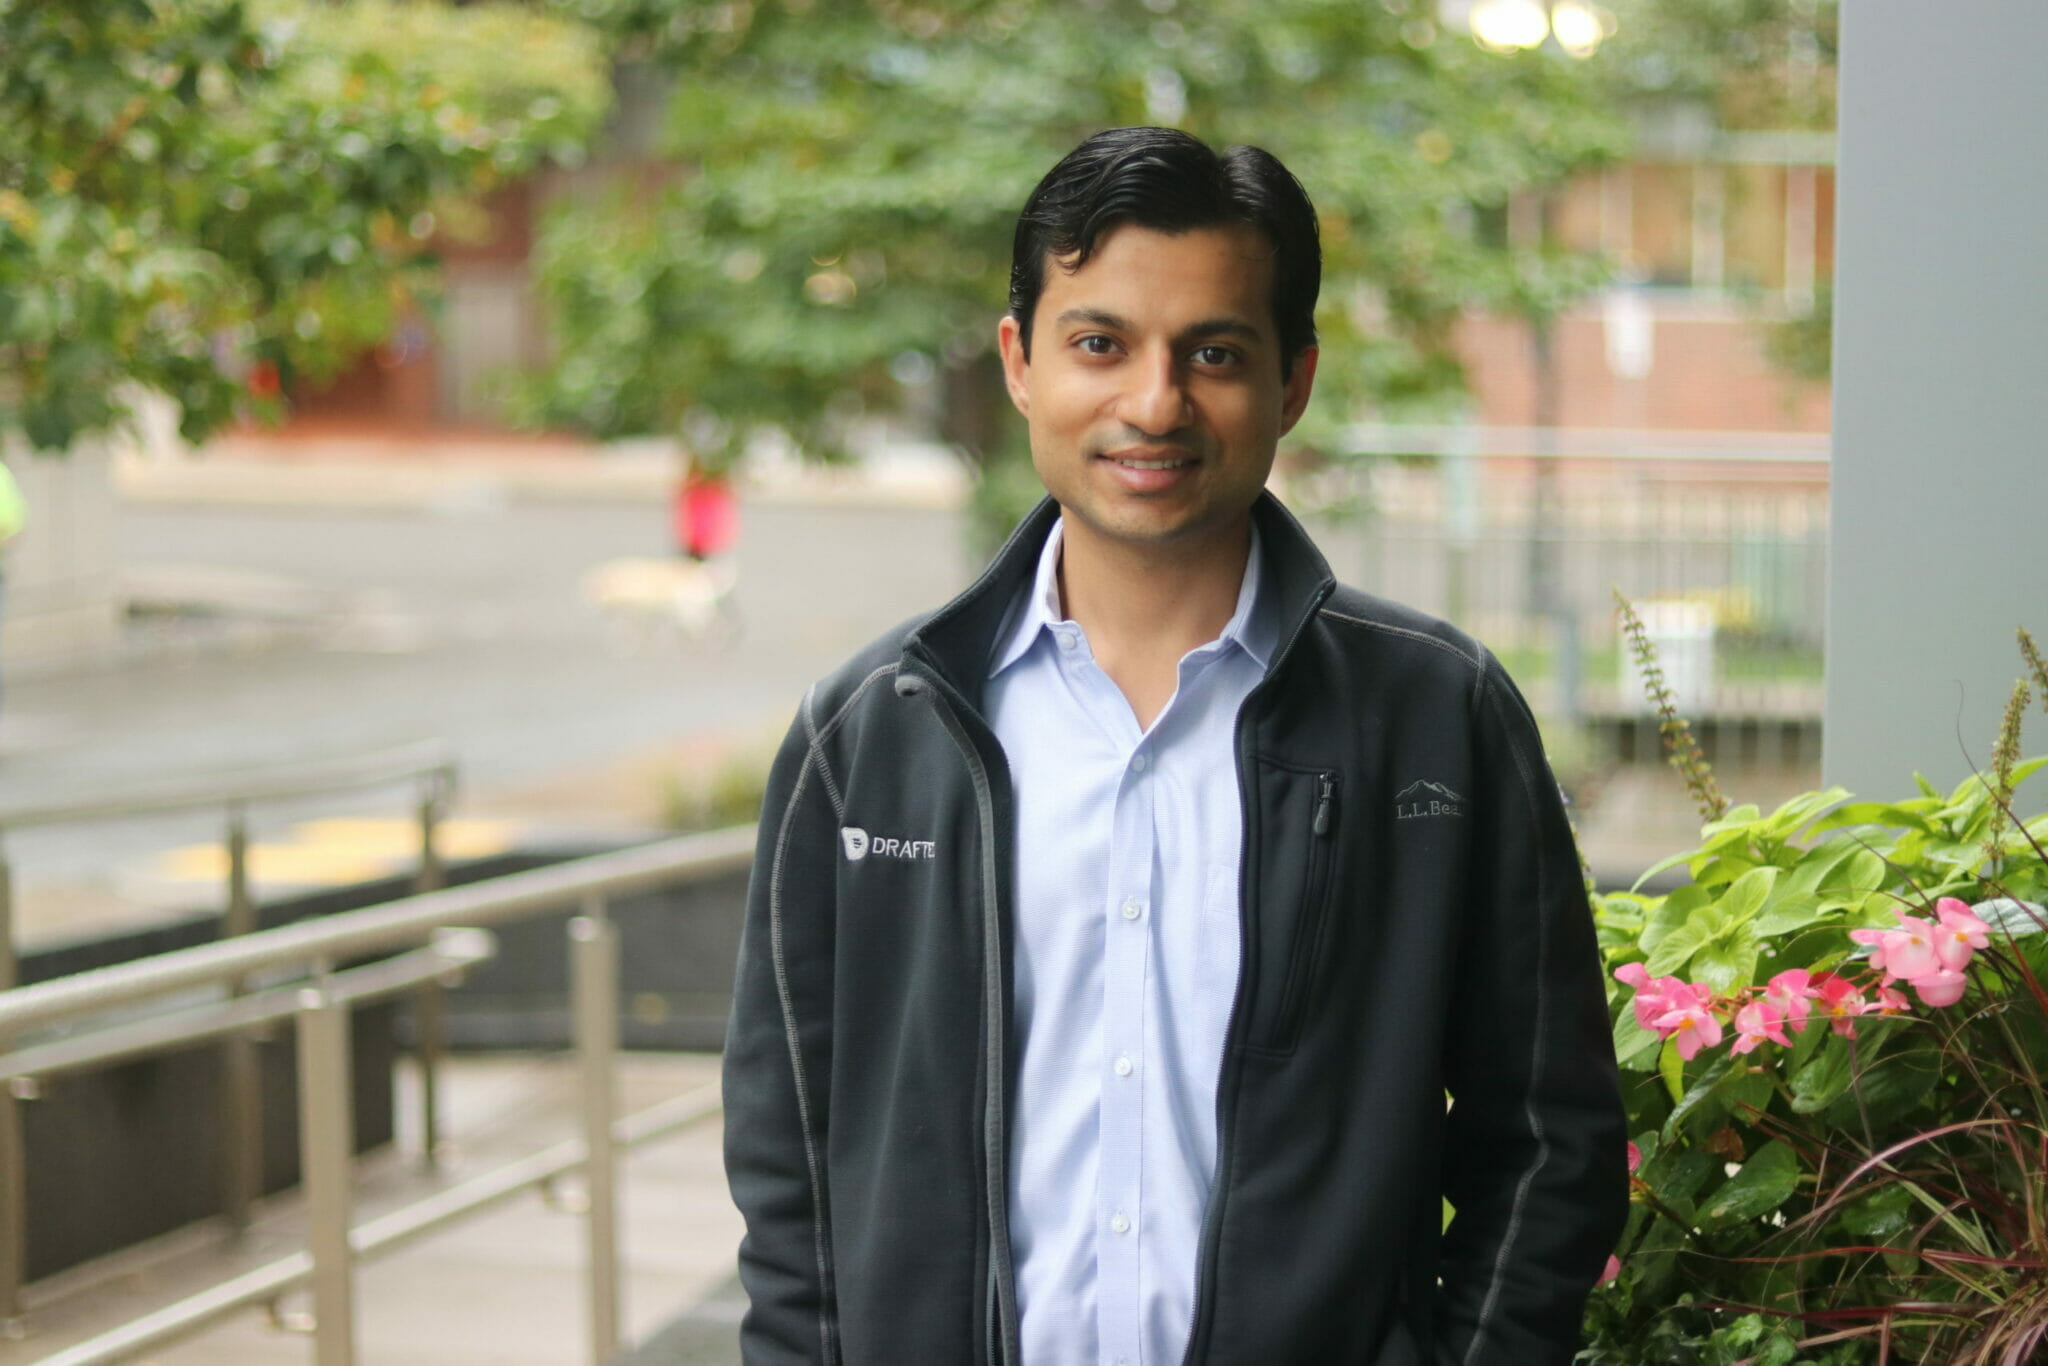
[1294, 400]
[1010, 341]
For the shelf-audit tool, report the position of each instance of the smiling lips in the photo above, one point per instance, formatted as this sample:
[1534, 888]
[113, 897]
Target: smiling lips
[1168, 462]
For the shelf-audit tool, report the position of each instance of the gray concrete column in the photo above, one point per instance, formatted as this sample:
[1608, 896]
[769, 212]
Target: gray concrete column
[1940, 483]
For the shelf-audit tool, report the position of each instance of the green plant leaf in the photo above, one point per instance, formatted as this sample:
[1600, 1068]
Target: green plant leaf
[1817, 863]
[1787, 819]
[1677, 1174]
[1635, 1048]
[1727, 961]
[1722, 868]
[1673, 911]
[1676, 949]
[1664, 865]
[1911, 815]
[1762, 1184]
[1672, 1068]
[1697, 1100]
[1879, 1216]
[1738, 819]
[1817, 1085]
[2027, 768]
[1747, 894]
[1855, 881]
[1788, 913]
[1892, 1083]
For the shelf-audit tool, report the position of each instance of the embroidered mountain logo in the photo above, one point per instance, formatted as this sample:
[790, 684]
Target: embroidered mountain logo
[859, 844]
[1423, 799]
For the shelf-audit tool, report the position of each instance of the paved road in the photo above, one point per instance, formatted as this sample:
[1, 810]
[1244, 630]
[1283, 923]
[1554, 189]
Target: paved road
[464, 622]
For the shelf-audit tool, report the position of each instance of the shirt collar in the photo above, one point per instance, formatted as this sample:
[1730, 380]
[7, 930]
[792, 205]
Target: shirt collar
[1251, 626]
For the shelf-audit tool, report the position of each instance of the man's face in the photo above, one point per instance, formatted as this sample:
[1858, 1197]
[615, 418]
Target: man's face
[1153, 391]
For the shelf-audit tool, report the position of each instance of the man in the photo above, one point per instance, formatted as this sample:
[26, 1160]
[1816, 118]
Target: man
[1119, 929]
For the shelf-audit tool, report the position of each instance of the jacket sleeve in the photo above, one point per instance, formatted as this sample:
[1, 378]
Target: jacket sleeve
[777, 1070]
[1534, 1164]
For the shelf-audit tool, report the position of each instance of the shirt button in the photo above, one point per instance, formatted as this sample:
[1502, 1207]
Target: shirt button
[1067, 641]
[1120, 1223]
[1133, 908]
[1141, 763]
[1123, 1066]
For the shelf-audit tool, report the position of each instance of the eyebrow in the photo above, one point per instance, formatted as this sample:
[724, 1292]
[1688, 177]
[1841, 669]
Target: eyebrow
[1209, 327]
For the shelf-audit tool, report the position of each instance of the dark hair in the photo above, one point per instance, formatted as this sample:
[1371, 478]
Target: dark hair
[1165, 180]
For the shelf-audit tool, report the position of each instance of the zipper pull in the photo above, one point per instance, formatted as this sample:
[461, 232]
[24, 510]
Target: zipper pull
[1326, 793]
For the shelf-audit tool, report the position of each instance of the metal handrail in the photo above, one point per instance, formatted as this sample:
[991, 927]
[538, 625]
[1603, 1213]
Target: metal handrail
[351, 934]
[431, 762]
[320, 1009]
[244, 787]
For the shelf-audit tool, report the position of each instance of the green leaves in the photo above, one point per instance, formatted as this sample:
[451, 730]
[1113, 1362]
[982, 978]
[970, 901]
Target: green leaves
[1820, 1082]
[1715, 941]
[1763, 1183]
[194, 193]
[892, 146]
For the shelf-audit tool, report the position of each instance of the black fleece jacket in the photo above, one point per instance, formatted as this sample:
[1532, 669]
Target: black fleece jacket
[1414, 927]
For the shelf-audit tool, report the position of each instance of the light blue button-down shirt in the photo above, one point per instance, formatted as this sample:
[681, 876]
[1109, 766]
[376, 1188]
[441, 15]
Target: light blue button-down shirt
[1126, 959]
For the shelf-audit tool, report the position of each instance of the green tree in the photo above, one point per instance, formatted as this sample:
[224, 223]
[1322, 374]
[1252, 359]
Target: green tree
[842, 177]
[208, 197]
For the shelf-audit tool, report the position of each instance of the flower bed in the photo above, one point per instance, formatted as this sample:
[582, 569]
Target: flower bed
[1834, 1040]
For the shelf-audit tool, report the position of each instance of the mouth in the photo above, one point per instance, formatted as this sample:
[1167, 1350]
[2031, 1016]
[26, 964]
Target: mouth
[1150, 462]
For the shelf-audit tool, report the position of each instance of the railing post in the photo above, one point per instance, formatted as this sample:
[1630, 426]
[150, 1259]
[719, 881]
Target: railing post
[326, 1146]
[241, 1171]
[430, 1002]
[594, 978]
[13, 1152]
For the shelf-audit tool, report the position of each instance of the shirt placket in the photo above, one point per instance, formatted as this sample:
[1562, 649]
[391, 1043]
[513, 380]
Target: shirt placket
[1121, 1227]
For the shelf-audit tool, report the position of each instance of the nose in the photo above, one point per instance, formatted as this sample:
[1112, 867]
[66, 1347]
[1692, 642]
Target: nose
[1156, 401]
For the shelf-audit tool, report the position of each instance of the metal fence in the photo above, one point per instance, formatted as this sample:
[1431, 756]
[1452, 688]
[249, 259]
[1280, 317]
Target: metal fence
[1726, 550]
[432, 937]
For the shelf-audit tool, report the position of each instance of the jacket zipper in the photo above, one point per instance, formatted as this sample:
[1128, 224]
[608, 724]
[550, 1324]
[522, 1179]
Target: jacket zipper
[1301, 964]
[995, 1151]
[1212, 1218]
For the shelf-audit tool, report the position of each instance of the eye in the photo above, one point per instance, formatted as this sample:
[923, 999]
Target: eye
[1095, 344]
[1215, 356]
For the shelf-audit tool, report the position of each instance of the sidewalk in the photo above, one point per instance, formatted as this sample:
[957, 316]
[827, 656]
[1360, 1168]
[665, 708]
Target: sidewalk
[502, 1288]
[443, 475]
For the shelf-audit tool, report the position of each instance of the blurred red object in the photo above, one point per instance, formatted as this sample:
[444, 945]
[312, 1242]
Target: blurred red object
[707, 516]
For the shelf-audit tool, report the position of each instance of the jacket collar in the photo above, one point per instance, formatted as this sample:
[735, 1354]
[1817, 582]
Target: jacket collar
[958, 641]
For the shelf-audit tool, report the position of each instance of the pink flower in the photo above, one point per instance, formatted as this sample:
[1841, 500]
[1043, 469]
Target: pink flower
[1841, 1002]
[1961, 934]
[1942, 987]
[1690, 1020]
[1613, 1269]
[1791, 992]
[1756, 1022]
[1906, 952]
[1892, 1001]
[1635, 1157]
[1654, 996]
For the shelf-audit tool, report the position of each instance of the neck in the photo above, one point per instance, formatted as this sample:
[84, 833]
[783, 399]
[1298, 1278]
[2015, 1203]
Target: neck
[1151, 602]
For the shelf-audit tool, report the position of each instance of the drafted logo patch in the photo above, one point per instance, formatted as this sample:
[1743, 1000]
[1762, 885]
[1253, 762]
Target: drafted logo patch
[859, 845]
[1424, 800]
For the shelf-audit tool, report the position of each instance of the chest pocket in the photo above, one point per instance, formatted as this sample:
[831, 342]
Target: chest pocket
[1292, 878]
